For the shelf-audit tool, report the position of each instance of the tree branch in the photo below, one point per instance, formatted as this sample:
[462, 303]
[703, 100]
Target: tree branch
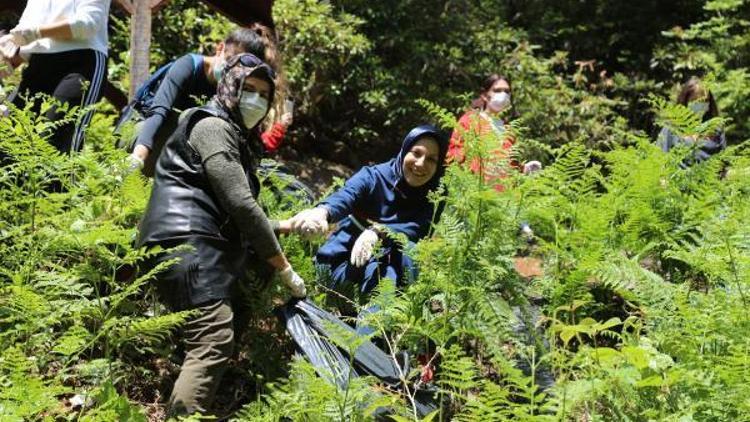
[127, 5]
[157, 3]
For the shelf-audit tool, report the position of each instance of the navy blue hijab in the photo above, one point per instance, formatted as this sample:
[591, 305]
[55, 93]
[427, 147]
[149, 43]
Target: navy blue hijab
[396, 164]
[380, 194]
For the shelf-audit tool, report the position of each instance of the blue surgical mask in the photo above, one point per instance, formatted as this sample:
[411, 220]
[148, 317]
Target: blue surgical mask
[699, 107]
[253, 108]
[219, 70]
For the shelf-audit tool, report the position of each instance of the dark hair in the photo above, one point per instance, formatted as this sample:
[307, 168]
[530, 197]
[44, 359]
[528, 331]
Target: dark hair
[478, 103]
[273, 58]
[691, 89]
[268, 38]
[247, 41]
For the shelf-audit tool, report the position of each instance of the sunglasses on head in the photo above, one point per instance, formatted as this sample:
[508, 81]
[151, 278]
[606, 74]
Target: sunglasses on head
[250, 60]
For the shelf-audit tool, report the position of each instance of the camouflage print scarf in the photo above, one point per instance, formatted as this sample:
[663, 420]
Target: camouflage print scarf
[237, 69]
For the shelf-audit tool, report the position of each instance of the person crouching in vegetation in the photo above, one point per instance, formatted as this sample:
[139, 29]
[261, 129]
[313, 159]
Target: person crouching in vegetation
[388, 197]
[190, 78]
[700, 101]
[487, 116]
[204, 196]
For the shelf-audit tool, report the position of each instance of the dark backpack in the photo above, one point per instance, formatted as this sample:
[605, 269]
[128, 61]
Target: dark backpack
[144, 96]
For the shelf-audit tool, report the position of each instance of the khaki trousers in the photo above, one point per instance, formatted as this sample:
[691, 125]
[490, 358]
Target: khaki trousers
[209, 343]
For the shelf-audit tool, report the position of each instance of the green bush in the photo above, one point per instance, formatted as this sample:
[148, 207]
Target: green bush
[642, 305]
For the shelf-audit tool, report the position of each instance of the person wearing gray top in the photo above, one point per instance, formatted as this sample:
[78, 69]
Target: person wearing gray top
[205, 197]
[700, 101]
[212, 138]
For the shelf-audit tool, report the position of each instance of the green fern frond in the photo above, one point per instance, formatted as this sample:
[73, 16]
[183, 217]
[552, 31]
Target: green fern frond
[459, 374]
[146, 332]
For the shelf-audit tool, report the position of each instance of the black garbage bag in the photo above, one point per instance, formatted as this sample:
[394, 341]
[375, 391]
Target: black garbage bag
[307, 325]
[525, 327]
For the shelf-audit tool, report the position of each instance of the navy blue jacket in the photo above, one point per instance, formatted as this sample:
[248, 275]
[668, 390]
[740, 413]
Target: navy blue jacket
[380, 194]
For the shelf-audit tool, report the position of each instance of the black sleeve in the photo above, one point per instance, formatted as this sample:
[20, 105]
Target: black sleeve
[174, 86]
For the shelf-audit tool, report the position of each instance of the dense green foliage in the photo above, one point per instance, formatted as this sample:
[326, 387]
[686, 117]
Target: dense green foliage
[575, 65]
[641, 312]
[719, 45]
[578, 68]
[642, 304]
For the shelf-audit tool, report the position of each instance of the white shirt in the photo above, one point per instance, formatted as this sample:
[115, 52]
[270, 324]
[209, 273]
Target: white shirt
[87, 19]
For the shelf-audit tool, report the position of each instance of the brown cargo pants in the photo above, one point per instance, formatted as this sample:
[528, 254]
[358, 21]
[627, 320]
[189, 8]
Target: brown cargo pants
[209, 343]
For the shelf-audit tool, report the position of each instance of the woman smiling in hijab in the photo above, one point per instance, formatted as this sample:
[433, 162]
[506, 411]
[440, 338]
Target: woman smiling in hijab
[204, 196]
[387, 197]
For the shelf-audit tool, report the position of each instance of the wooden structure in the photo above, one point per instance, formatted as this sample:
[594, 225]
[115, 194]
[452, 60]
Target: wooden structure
[140, 38]
[242, 12]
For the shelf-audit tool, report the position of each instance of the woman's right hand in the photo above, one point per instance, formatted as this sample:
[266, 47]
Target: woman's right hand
[310, 222]
[286, 119]
[22, 36]
[9, 52]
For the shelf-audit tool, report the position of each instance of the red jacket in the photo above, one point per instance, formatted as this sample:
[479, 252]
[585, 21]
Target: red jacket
[273, 137]
[474, 122]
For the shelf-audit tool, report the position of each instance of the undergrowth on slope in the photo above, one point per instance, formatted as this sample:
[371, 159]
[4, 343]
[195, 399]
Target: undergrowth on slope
[640, 313]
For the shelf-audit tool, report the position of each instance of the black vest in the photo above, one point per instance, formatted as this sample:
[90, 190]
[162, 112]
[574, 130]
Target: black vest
[184, 210]
[183, 205]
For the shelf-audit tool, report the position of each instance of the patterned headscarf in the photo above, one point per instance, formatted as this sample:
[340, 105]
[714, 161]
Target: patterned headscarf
[237, 69]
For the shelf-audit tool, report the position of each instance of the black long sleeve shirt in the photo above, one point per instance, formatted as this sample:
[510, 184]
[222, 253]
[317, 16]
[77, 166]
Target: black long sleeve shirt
[181, 88]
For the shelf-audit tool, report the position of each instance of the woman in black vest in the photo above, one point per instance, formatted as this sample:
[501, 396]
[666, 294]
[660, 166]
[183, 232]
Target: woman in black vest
[204, 196]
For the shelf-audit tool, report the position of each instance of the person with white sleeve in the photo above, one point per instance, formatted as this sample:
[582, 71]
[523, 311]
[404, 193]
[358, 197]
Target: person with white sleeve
[64, 43]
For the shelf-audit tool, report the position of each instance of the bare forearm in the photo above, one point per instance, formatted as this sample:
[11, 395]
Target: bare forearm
[59, 30]
[278, 261]
[283, 226]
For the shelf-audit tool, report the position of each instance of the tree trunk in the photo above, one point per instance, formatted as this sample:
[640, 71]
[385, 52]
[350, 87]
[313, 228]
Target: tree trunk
[140, 43]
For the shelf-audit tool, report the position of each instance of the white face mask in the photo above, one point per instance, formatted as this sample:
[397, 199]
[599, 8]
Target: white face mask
[253, 108]
[700, 108]
[499, 102]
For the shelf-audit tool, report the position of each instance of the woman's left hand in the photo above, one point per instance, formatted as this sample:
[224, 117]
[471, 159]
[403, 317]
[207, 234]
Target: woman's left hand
[363, 248]
[531, 167]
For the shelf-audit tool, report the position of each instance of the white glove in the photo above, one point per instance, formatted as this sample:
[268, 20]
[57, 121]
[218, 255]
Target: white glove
[8, 50]
[292, 280]
[526, 231]
[23, 36]
[363, 247]
[531, 167]
[134, 163]
[311, 222]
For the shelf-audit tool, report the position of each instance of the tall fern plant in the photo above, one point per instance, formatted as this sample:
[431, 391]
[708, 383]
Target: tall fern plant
[70, 316]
